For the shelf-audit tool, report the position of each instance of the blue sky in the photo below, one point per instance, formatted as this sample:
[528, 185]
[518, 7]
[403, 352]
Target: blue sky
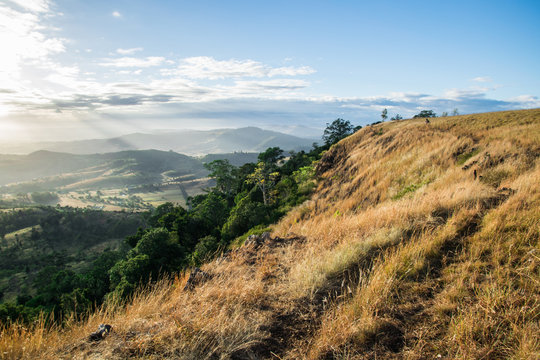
[74, 69]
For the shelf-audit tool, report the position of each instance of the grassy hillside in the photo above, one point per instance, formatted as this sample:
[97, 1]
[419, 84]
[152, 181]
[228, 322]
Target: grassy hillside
[421, 241]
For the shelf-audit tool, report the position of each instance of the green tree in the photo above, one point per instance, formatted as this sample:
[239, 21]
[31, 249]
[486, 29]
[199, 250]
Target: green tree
[75, 302]
[425, 114]
[212, 211]
[304, 177]
[455, 112]
[159, 212]
[10, 312]
[271, 156]
[96, 279]
[265, 180]
[337, 130]
[384, 115]
[156, 252]
[397, 117]
[158, 245]
[130, 271]
[224, 174]
[246, 214]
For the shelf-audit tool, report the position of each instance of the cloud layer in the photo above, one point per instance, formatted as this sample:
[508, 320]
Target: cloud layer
[206, 67]
[130, 62]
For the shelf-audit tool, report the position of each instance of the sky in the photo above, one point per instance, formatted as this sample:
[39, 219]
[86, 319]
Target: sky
[75, 69]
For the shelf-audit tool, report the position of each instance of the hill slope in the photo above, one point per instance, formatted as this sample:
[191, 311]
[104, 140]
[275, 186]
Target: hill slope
[111, 169]
[421, 241]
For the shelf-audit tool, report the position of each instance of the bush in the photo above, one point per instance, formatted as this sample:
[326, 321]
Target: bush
[206, 249]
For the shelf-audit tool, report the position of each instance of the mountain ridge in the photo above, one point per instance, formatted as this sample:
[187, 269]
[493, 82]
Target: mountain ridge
[189, 142]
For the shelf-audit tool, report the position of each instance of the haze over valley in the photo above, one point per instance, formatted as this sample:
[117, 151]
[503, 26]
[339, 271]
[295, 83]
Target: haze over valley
[187, 142]
[117, 174]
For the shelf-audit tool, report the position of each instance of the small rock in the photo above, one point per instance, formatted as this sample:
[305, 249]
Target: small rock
[101, 333]
[224, 257]
[265, 236]
[252, 240]
[257, 240]
[196, 277]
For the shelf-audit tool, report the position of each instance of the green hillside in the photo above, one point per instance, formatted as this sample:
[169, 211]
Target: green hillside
[39, 243]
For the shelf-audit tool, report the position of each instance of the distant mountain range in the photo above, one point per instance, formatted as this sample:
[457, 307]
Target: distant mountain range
[189, 142]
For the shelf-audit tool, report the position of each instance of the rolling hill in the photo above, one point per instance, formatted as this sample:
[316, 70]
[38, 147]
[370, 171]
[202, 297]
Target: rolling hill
[113, 181]
[52, 170]
[420, 241]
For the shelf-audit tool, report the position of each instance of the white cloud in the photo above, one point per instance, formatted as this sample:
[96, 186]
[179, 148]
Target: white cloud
[456, 94]
[129, 72]
[528, 101]
[133, 62]
[22, 37]
[116, 14]
[27, 50]
[291, 71]
[482, 79]
[404, 97]
[257, 88]
[206, 67]
[129, 51]
[32, 5]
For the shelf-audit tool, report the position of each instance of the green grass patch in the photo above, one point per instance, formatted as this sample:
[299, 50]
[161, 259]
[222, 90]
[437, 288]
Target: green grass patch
[409, 189]
[462, 158]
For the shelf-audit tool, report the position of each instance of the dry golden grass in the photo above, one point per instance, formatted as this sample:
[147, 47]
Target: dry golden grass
[400, 253]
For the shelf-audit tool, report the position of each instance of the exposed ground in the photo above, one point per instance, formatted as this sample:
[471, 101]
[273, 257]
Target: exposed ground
[421, 241]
